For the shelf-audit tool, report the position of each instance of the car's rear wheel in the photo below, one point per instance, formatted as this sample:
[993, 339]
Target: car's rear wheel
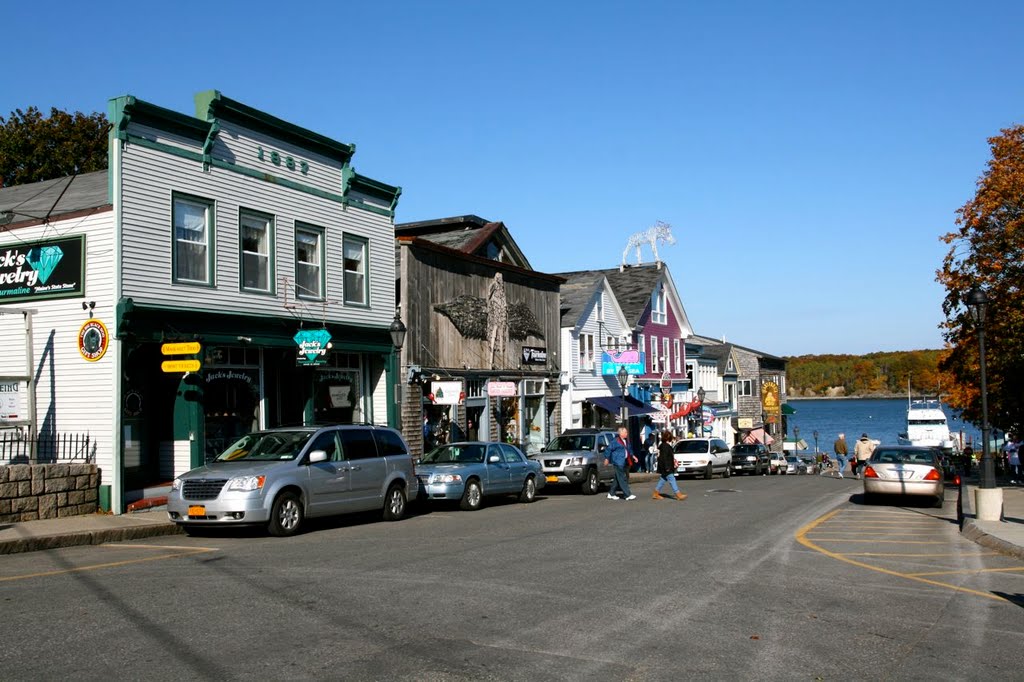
[709, 472]
[394, 503]
[529, 491]
[727, 473]
[592, 483]
[757, 470]
[286, 515]
[471, 496]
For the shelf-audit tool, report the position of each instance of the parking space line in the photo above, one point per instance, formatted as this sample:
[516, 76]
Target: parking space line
[133, 546]
[971, 570]
[111, 564]
[801, 537]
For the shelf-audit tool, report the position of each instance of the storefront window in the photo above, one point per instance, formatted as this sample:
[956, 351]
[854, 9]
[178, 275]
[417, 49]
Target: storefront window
[534, 434]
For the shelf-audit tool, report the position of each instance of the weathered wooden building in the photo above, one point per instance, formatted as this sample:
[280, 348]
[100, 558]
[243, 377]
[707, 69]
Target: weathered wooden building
[481, 357]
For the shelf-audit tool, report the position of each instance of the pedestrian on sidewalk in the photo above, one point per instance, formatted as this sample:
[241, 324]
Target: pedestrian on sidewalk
[621, 458]
[839, 447]
[650, 451]
[1013, 457]
[667, 466]
[862, 453]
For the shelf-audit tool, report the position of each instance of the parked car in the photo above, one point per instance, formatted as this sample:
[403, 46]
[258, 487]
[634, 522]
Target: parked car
[777, 462]
[577, 458]
[904, 470]
[750, 459]
[796, 465]
[280, 477]
[469, 471]
[702, 456]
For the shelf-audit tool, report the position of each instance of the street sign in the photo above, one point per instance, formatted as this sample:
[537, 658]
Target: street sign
[180, 366]
[184, 348]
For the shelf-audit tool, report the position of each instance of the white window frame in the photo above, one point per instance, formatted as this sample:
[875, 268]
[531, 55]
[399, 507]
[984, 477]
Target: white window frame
[745, 387]
[300, 290]
[659, 307]
[666, 359]
[364, 244]
[254, 219]
[677, 347]
[600, 307]
[586, 353]
[642, 348]
[207, 206]
[655, 365]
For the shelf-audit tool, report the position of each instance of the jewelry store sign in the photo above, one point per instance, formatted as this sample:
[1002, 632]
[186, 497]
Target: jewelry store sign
[38, 270]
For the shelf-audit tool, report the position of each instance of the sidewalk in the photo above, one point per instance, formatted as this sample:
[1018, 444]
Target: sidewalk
[1005, 536]
[91, 529]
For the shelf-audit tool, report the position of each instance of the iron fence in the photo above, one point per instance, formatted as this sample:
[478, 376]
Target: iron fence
[16, 447]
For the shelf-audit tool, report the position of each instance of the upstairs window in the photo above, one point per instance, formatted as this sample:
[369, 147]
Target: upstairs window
[659, 308]
[666, 359]
[679, 356]
[586, 352]
[355, 271]
[193, 239]
[256, 231]
[600, 307]
[309, 263]
[746, 387]
[655, 365]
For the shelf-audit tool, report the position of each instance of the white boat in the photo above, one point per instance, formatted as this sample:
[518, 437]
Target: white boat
[927, 425]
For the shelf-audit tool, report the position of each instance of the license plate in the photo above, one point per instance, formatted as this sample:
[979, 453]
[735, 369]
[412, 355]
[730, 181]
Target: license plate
[197, 510]
[552, 479]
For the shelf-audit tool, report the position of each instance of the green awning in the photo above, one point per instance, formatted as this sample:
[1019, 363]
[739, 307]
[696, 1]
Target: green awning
[786, 409]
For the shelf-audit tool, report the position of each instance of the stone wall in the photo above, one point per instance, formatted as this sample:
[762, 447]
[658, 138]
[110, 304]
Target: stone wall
[47, 491]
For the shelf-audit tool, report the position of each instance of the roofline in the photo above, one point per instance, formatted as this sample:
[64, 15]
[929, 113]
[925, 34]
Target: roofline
[428, 245]
[700, 337]
[426, 226]
[78, 213]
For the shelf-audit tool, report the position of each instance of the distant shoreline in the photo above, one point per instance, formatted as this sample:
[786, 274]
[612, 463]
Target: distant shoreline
[847, 397]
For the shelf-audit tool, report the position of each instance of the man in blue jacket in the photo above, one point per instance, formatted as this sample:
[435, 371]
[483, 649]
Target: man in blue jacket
[621, 458]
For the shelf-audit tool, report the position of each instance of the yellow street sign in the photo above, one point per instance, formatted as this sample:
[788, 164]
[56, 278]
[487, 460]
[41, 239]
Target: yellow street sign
[185, 348]
[180, 365]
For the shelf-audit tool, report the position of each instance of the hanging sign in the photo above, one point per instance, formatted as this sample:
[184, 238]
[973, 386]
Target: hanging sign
[174, 366]
[51, 269]
[446, 392]
[535, 356]
[313, 346]
[185, 348]
[633, 360]
[770, 398]
[501, 389]
[93, 340]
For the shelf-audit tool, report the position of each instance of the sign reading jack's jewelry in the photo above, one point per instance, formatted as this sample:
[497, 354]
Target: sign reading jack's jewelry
[313, 346]
[37, 270]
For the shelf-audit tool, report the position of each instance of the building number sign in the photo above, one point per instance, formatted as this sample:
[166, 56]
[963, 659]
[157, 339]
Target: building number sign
[276, 159]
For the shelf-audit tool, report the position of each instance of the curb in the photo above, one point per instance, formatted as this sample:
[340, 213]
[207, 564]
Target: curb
[91, 537]
[970, 530]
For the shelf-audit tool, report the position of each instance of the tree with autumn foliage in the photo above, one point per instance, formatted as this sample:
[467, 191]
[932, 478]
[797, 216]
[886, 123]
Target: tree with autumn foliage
[987, 250]
[35, 148]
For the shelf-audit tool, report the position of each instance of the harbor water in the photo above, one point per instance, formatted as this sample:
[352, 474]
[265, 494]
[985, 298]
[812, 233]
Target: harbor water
[881, 418]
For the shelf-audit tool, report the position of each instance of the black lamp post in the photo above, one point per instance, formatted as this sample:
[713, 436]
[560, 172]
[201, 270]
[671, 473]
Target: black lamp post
[977, 301]
[623, 377]
[796, 439]
[815, 441]
[398, 332]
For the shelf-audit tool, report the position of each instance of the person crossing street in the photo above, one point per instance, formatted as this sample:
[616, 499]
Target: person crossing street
[621, 458]
[667, 466]
[839, 447]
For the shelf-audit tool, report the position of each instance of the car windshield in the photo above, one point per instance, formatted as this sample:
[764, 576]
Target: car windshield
[472, 453]
[883, 456]
[744, 449]
[791, 459]
[692, 446]
[572, 442]
[266, 445]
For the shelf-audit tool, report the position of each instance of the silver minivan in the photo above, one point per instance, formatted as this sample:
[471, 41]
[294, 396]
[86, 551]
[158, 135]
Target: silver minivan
[280, 477]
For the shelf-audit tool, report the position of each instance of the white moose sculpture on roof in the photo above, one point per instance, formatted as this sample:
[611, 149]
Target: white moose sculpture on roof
[661, 232]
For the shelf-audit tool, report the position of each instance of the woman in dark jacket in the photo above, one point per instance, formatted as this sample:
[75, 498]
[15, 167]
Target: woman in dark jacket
[667, 466]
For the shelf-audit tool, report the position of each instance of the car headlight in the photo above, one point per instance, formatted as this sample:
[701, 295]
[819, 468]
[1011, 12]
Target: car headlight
[245, 483]
[576, 461]
[751, 458]
[176, 484]
[446, 478]
[700, 462]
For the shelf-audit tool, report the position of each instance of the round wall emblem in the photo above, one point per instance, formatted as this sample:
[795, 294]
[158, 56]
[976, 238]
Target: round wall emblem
[93, 340]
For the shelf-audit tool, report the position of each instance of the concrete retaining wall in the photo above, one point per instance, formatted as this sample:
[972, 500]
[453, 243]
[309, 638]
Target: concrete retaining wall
[47, 491]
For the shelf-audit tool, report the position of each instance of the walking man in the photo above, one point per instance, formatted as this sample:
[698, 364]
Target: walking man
[621, 458]
[862, 452]
[839, 447]
[667, 466]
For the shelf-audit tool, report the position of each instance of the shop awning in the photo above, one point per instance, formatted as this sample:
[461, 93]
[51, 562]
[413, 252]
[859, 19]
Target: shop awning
[788, 409]
[614, 405]
[757, 436]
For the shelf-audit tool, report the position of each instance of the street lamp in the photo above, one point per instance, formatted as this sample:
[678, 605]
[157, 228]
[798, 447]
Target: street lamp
[796, 439]
[623, 377]
[398, 332]
[815, 434]
[977, 301]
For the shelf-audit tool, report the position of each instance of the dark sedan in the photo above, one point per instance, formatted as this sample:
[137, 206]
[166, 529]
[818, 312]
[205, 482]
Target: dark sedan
[750, 459]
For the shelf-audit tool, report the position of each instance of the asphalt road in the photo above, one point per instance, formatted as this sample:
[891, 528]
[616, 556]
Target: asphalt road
[750, 578]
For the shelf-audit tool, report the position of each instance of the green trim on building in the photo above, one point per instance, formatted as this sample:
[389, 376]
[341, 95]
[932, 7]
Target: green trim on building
[211, 137]
[354, 182]
[128, 109]
[211, 105]
[283, 182]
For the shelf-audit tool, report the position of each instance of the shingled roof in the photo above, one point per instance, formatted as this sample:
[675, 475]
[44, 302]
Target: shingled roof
[34, 202]
[576, 293]
[632, 286]
[465, 233]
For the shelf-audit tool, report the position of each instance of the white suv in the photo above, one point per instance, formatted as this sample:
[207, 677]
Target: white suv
[702, 456]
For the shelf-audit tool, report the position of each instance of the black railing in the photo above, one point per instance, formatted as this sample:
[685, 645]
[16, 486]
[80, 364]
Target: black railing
[17, 448]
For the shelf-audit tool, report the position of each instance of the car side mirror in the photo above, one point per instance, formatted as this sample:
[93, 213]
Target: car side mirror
[494, 459]
[317, 456]
[602, 447]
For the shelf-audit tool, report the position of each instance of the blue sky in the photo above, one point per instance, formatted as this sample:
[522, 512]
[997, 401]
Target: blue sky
[808, 155]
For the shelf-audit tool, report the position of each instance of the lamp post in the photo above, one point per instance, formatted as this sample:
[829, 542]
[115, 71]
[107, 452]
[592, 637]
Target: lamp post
[977, 301]
[398, 332]
[815, 434]
[623, 377]
[796, 439]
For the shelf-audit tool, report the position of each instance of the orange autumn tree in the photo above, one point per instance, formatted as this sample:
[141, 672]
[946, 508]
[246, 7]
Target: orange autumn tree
[987, 250]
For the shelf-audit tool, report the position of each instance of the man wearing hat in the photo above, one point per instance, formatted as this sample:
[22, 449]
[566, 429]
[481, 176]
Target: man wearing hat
[862, 453]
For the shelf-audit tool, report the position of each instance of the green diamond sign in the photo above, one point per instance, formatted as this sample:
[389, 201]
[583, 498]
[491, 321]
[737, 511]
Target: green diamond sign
[313, 346]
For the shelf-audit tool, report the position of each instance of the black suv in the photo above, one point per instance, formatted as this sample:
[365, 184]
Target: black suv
[750, 459]
[577, 458]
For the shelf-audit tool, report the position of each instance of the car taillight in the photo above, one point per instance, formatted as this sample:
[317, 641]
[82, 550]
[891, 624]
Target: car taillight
[870, 473]
[933, 475]
[956, 480]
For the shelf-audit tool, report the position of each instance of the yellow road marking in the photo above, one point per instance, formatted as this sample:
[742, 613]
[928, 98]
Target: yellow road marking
[185, 547]
[882, 554]
[970, 570]
[888, 542]
[801, 537]
[112, 564]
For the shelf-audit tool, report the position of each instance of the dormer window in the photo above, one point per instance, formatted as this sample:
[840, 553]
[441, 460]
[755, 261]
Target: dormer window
[659, 307]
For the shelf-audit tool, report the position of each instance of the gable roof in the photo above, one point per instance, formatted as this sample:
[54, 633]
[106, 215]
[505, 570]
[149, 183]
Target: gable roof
[709, 342]
[633, 286]
[467, 233]
[34, 202]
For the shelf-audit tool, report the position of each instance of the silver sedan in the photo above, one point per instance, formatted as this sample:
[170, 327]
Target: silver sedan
[904, 470]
